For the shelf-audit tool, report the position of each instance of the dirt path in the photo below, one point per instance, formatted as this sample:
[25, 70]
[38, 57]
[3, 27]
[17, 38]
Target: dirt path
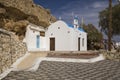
[29, 60]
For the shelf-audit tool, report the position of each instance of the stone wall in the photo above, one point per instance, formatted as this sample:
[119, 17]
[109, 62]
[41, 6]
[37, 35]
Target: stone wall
[10, 49]
[112, 55]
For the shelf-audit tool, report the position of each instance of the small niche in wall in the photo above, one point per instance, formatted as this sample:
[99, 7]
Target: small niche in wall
[32, 5]
[68, 31]
[46, 28]
[42, 33]
[51, 34]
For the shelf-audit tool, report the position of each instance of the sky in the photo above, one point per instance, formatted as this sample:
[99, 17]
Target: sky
[66, 9]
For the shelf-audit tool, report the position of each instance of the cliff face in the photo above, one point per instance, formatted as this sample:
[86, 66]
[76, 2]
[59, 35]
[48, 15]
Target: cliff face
[29, 7]
[16, 14]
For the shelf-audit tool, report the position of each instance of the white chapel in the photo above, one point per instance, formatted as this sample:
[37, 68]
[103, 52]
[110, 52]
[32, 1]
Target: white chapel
[59, 36]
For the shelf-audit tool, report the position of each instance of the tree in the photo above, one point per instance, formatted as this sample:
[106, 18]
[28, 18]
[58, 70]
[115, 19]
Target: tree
[110, 24]
[104, 20]
[94, 37]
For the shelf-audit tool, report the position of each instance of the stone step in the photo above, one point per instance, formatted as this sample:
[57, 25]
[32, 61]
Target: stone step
[83, 55]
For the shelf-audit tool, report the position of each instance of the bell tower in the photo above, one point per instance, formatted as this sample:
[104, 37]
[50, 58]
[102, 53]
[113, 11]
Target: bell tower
[76, 23]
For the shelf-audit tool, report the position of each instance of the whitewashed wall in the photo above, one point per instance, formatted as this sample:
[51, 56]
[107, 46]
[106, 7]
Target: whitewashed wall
[62, 37]
[65, 41]
[66, 38]
[83, 47]
[43, 43]
[31, 40]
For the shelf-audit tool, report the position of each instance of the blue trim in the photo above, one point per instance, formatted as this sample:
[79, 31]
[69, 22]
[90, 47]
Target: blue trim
[81, 29]
[37, 41]
[71, 26]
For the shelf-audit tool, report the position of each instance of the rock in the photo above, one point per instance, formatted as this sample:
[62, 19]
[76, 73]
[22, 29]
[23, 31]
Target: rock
[111, 55]
[17, 14]
[29, 7]
[2, 10]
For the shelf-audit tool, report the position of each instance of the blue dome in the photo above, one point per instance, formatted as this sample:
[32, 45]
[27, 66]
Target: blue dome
[76, 17]
[71, 26]
[81, 29]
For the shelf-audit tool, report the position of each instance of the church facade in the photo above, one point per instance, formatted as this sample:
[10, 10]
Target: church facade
[59, 36]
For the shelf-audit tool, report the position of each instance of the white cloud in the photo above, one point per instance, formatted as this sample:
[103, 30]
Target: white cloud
[100, 4]
[89, 11]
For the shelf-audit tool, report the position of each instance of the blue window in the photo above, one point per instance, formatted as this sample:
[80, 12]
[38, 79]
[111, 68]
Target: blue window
[38, 41]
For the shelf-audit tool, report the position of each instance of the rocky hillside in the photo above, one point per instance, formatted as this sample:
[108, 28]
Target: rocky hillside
[16, 14]
[29, 7]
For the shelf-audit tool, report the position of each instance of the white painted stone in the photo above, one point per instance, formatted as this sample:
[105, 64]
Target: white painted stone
[5, 73]
[92, 60]
[14, 66]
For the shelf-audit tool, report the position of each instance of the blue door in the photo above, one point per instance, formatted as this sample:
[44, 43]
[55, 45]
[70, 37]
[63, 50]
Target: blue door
[38, 41]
